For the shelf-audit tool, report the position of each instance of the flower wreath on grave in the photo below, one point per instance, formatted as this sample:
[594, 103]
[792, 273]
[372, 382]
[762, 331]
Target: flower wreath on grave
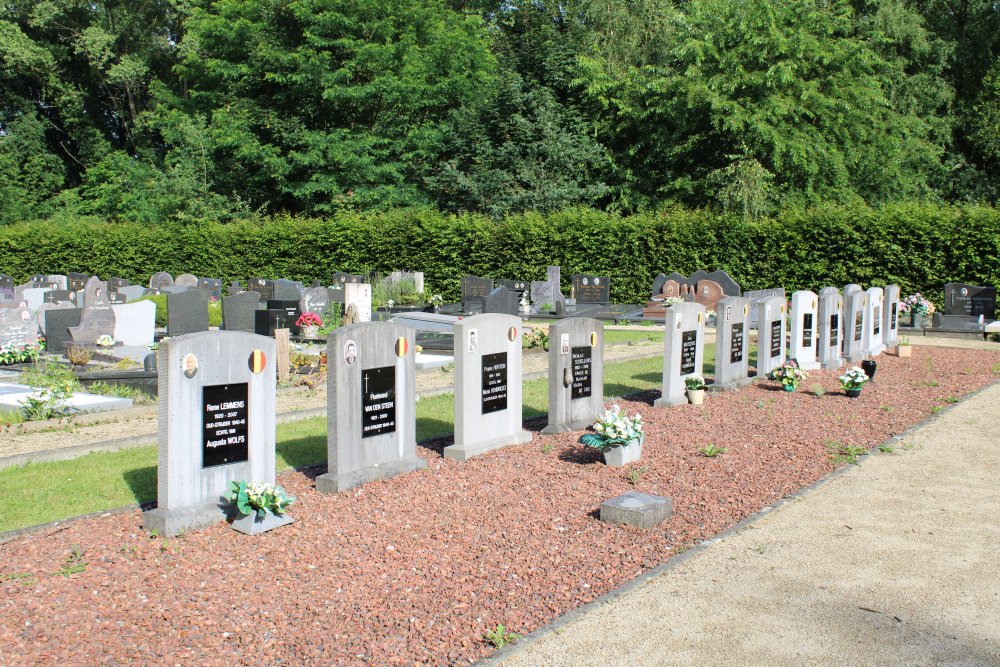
[258, 498]
[615, 429]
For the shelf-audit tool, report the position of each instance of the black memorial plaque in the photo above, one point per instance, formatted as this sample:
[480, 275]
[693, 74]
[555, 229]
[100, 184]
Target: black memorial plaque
[591, 289]
[807, 330]
[736, 344]
[582, 378]
[858, 325]
[225, 436]
[877, 324]
[894, 312]
[378, 401]
[689, 351]
[114, 296]
[494, 382]
[776, 342]
[834, 330]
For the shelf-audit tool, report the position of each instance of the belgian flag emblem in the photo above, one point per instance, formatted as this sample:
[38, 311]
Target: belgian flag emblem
[257, 361]
[402, 347]
[593, 339]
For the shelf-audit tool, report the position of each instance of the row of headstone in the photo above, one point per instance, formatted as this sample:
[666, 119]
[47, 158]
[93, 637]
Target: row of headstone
[821, 330]
[217, 406]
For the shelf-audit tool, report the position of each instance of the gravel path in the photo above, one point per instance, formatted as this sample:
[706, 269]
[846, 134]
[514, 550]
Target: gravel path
[289, 400]
[894, 563]
[415, 569]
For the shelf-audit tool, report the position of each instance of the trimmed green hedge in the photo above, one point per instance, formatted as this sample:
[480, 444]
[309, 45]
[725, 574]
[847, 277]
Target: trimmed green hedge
[918, 246]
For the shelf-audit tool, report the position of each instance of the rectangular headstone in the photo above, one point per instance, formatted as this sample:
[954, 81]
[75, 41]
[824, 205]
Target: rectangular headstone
[487, 350]
[502, 301]
[473, 294]
[263, 287]
[756, 296]
[239, 310]
[548, 291]
[291, 310]
[360, 296]
[771, 327]
[97, 318]
[133, 292]
[187, 312]
[57, 325]
[683, 350]
[591, 289]
[873, 344]
[315, 300]
[371, 405]
[61, 296]
[18, 327]
[576, 373]
[890, 316]
[831, 329]
[732, 349]
[135, 323]
[961, 299]
[804, 315]
[213, 286]
[216, 424]
[855, 322]
[76, 281]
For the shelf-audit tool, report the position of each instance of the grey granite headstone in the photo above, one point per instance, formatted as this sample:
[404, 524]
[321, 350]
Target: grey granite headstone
[315, 300]
[96, 290]
[855, 322]
[501, 301]
[34, 297]
[804, 316]
[213, 286]
[160, 280]
[97, 318]
[216, 424]
[873, 344]
[187, 312]
[474, 291]
[61, 296]
[42, 323]
[263, 287]
[287, 290]
[683, 350]
[756, 296]
[186, 280]
[890, 316]
[576, 373]
[135, 323]
[641, 510]
[133, 292]
[7, 293]
[964, 300]
[61, 281]
[239, 310]
[18, 326]
[591, 289]
[371, 405]
[732, 344]
[487, 351]
[831, 329]
[57, 324]
[548, 291]
[116, 283]
[771, 333]
[234, 288]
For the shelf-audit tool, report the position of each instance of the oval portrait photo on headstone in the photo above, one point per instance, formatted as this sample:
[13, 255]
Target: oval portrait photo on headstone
[350, 352]
[189, 364]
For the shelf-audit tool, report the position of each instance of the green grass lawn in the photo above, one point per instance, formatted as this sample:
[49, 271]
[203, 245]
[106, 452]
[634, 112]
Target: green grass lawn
[42, 492]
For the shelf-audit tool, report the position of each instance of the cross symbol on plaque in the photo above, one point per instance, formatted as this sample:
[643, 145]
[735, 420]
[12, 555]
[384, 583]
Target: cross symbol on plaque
[366, 383]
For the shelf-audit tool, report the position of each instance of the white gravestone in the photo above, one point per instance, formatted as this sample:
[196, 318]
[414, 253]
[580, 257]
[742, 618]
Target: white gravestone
[216, 424]
[135, 323]
[855, 323]
[576, 373]
[873, 344]
[487, 385]
[771, 333]
[683, 350]
[802, 347]
[732, 344]
[371, 405]
[359, 294]
[890, 316]
[831, 329]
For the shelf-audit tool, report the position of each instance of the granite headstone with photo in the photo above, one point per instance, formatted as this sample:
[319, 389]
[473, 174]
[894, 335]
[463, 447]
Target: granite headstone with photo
[683, 350]
[964, 300]
[591, 289]
[576, 373]
[18, 326]
[216, 425]
[732, 344]
[371, 405]
[487, 352]
[97, 318]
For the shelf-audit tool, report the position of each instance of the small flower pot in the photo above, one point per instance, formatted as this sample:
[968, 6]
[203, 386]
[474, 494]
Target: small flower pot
[310, 331]
[696, 396]
[251, 524]
[904, 350]
[788, 387]
[852, 393]
[620, 456]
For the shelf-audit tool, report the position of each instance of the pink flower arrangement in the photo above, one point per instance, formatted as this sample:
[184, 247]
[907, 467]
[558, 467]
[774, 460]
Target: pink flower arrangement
[916, 303]
[308, 319]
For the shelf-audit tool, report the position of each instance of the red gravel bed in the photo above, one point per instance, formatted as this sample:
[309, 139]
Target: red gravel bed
[414, 570]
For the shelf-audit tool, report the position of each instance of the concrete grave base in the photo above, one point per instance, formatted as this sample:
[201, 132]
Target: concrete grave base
[466, 452]
[641, 510]
[332, 482]
[170, 523]
[668, 402]
[553, 429]
[832, 365]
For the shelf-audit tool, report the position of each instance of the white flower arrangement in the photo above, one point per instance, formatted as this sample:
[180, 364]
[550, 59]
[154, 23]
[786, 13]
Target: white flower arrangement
[105, 341]
[437, 300]
[614, 429]
[672, 301]
[694, 382]
[390, 303]
[853, 378]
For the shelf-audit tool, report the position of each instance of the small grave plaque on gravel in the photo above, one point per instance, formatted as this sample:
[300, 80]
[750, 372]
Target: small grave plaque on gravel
[641, 510]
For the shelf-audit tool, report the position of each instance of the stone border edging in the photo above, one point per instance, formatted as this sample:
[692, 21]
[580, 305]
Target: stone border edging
[556, 625]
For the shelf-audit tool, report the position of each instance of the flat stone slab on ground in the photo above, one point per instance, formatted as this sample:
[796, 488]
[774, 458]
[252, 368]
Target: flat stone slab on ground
[12, 399]
[425, 361]
[641, 510]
